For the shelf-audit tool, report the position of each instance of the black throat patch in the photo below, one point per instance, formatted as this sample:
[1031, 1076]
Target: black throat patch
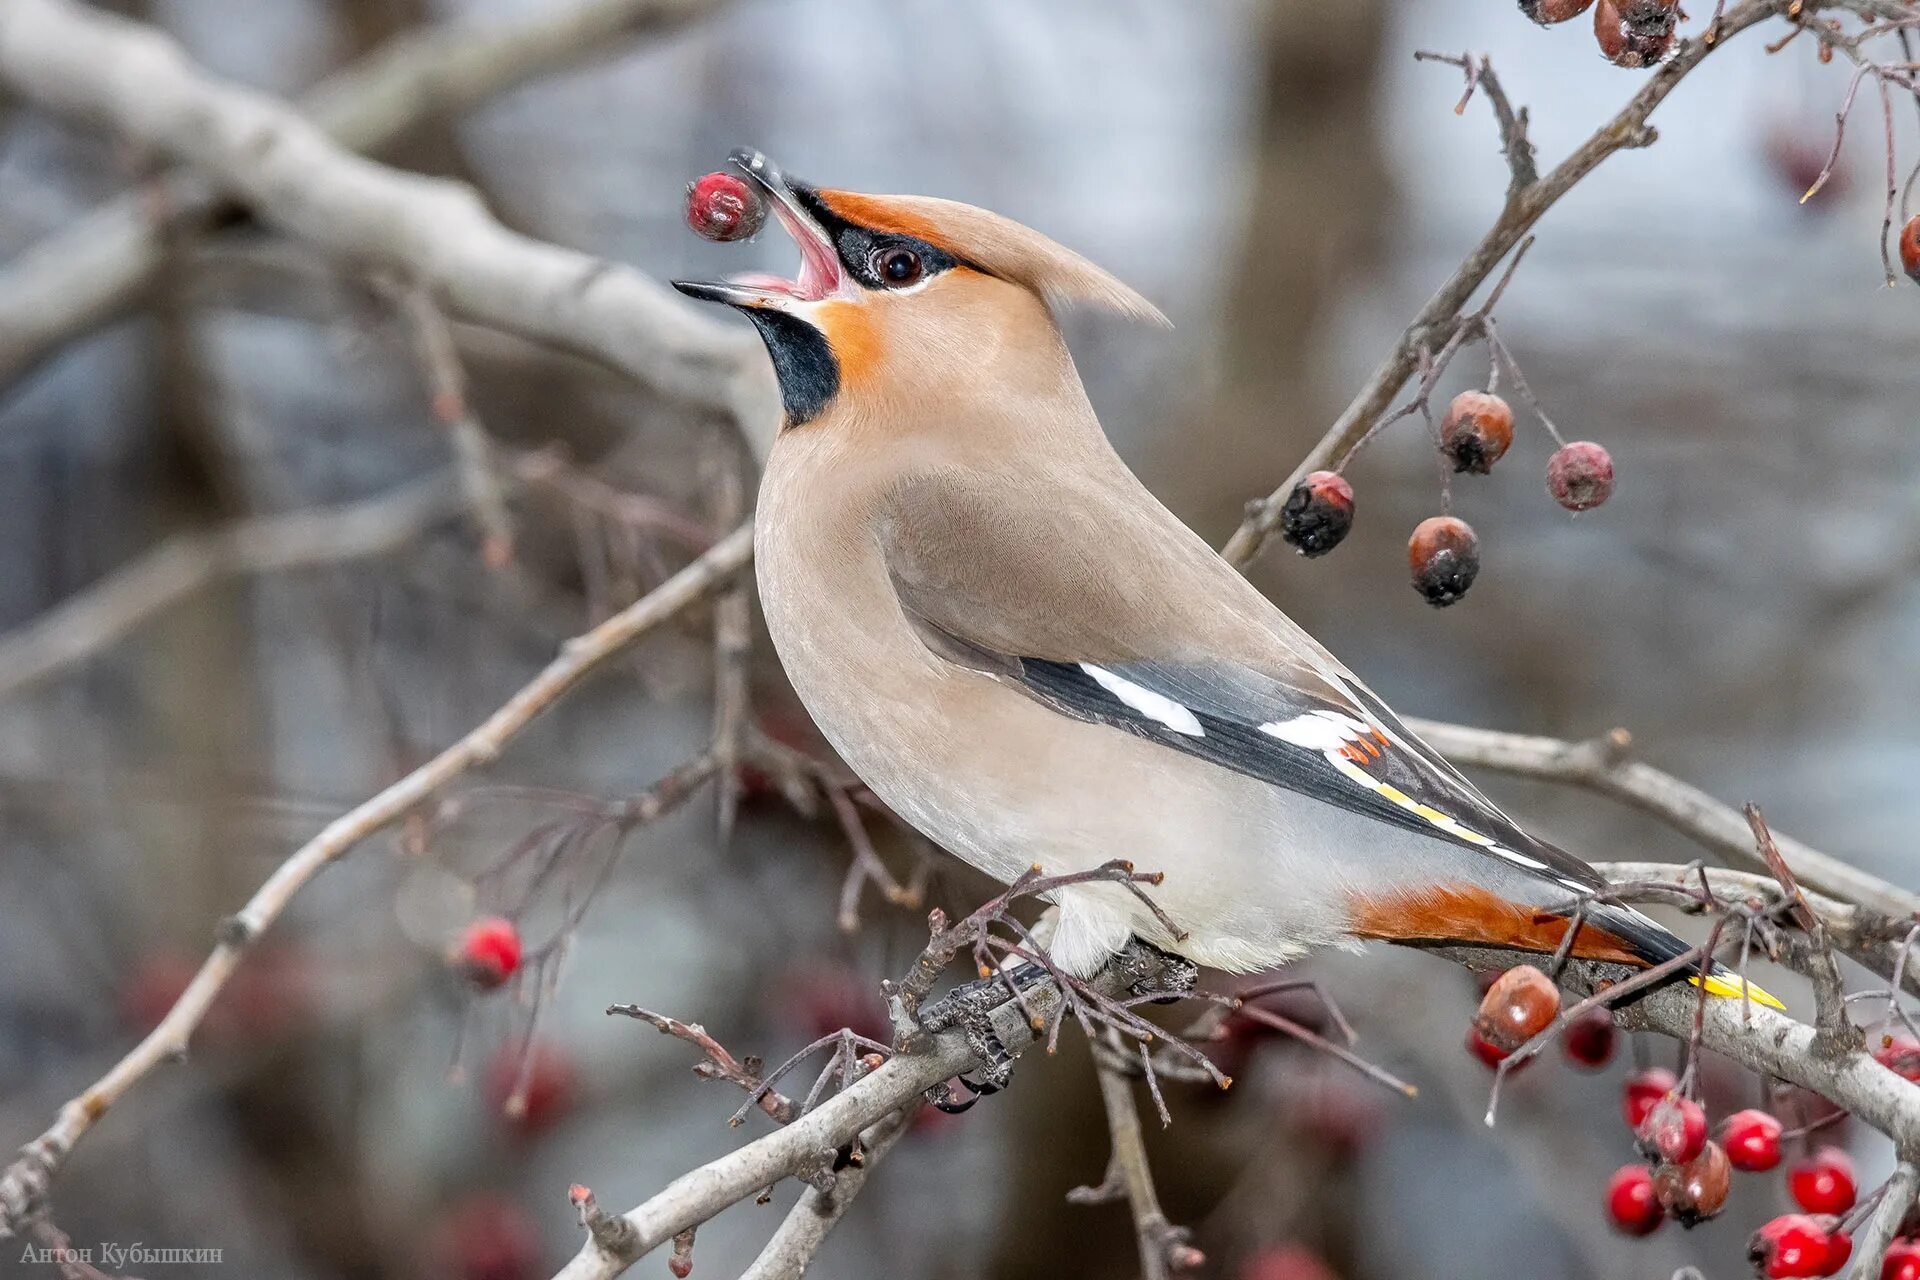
[809, 375]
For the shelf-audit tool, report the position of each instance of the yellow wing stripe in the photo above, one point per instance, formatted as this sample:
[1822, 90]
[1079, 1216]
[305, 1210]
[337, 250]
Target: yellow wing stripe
[1446, 822]
[1731, 989]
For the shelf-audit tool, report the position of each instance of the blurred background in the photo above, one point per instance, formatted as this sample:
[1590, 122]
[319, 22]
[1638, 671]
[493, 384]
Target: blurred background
[1289, 185]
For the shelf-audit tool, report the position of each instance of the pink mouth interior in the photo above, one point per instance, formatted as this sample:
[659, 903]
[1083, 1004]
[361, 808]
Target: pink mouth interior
[819, 274]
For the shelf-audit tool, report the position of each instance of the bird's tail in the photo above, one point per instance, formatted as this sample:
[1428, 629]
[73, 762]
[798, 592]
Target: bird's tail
[1653, 944]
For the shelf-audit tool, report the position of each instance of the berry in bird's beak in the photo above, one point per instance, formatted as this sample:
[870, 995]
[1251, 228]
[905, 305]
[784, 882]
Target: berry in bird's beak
[721, 206]
[820, 276]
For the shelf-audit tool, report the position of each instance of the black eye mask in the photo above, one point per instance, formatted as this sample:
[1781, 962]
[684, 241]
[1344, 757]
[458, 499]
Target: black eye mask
[857, 246]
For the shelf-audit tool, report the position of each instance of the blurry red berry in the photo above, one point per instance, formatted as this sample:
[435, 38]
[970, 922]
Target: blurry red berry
[552, 1090]
[1318, 513]
[1548, 12]
[486, 1236]
[1824, 1183]
[1910, 247]
[1697, 1189]
[1839, 1246]
[489, 952]
[721, 206]
[1580, 475]
[1635, 33]
[1641, 1091]
[1477, 432]
[1518, 1006]
[1589, 1039]
[1674, 1129]
[820, 999]
[1903, 1261]
[1484, 1049]
[1791, 1245]
[1444, 556]
[1900, 1055]
[1284, 1262]
[1752, 1139]
[1632, 1206]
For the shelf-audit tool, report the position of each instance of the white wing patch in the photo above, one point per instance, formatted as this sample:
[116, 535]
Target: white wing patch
[1155, 706]
[1346, 740]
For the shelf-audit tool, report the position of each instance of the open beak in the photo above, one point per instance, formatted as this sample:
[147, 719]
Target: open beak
[820, 276]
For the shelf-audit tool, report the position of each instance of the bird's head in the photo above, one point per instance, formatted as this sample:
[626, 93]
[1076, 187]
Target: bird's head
[905, 296]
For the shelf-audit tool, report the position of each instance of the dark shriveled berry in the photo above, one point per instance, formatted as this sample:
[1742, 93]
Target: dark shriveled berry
[1635, 33]
[1318, 513]
[723, 207]
[1548, 12]
[1444, 555]
[1580, 475]
[1910, 248]
[1478, 429]
[1697, 1190]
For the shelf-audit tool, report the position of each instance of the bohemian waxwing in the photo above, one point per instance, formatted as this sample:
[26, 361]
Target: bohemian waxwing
[1035, 663]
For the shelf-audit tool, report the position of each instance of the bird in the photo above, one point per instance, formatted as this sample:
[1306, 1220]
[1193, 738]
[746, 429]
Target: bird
[1036, 664]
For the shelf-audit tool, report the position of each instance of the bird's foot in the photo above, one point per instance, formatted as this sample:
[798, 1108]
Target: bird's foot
[969, 1008]
[1150, 972]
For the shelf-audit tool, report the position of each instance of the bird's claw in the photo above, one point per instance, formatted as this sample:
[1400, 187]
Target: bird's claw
[1150, 972]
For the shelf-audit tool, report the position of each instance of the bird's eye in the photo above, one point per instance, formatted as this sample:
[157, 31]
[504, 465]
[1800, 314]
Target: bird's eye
[896, 266]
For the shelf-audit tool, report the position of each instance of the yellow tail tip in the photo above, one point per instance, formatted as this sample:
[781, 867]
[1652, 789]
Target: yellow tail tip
[1731, 989]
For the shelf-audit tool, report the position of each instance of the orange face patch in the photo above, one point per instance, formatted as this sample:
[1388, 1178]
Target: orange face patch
[875, 213]
[1464, 913]
[854, 335]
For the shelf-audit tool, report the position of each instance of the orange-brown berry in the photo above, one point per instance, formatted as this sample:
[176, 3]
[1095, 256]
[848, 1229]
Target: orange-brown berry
[1318, 513]
[1444, 555]
[1548, 12]
[1697, 1190]
[1478, 429]
[1519, 1005]
[1580, 475]
[1635, 33]
[1910, 247]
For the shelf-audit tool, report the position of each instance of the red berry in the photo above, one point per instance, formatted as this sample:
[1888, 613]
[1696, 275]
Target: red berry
[1641, 1091]
[1632, 1205]
[1284, 1262]
[489, 952]
[1318, 513]
[1903, 1261]
[1484, 1049]
[1674, 1128]
[1839, 1248]
[1520, 1004]
[1444, 556]
[1910, 247]
[1580, 475]
[1589, 1039]
[1548, 12]
[1792, 1245]
[486, 1236]
[1635, 33]
[1478, 429]
[1696, 1190]
[1900, 1055]
[552, 1088]
[721, 206]
[1752, 1140]
[1825, 1183]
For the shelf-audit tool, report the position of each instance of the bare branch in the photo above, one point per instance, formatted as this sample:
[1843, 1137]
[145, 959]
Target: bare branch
[24, 1182]
[806, 1225]
[85, 624]
[1164, 1248]
[1435, 323]
[1602, 766]
[87, 63]
[97, 267]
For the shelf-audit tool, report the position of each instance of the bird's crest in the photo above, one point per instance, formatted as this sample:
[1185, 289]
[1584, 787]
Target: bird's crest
[998, 246]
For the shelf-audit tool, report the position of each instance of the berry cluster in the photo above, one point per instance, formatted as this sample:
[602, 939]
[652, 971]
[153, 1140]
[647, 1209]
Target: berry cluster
[1630, 33]
[1443, 555]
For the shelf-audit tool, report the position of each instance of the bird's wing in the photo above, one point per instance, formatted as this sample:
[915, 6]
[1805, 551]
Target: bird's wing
[1118, 615]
